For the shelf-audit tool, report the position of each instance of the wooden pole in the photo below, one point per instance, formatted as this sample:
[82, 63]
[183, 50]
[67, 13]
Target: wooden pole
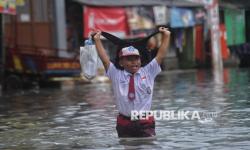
[2, 53]
[32, 26]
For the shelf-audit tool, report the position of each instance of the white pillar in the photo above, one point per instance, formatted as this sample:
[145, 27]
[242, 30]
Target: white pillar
[213, 10]
[60, 28]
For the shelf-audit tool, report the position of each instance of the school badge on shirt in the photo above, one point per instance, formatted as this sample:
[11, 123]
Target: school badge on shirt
[131, 96]
[149, 91]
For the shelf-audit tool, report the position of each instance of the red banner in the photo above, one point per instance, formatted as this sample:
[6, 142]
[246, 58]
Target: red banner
[108, 19]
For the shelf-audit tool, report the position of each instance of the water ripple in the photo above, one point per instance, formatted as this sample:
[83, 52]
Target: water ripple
[84, 117]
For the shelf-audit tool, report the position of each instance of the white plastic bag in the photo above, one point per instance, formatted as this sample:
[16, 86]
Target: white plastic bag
[89, 59]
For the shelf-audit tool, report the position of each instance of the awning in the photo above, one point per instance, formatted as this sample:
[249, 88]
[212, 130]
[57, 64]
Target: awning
[245, 4]
[112, 3]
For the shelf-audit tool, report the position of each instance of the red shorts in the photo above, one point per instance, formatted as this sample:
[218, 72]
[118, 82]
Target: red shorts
[135, 128]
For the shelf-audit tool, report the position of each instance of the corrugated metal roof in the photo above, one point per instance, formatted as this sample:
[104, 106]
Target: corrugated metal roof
[178, 3]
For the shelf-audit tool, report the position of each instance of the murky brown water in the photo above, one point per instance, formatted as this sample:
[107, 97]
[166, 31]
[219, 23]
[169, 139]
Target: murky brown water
[83, 117]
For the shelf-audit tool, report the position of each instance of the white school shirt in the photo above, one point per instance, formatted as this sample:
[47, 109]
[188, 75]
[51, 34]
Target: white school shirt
[144, 84]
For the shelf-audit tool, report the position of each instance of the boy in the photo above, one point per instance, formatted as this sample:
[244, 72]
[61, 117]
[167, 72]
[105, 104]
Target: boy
[133, 86]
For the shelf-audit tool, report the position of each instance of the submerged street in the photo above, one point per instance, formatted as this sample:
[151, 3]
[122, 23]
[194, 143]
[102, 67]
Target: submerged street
[84, 115]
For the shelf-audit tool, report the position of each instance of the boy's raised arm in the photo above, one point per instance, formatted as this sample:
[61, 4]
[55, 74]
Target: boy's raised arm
[164, 44]
[101, 51]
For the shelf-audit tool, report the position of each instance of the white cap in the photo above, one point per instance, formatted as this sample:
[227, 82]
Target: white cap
[129, 51]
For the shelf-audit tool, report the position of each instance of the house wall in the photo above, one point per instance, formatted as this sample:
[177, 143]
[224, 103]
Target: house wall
[31, 27]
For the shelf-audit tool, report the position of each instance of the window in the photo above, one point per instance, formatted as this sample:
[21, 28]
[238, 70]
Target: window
[41, 11]
[23, 12]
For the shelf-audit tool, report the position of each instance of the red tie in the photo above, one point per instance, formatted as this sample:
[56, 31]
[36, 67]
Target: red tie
[131, 88]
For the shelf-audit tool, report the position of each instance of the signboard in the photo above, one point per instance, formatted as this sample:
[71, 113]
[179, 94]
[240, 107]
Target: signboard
[181, 17]
[206, 2]
[140, 20]
[62, 65]
[108, 19]
[160, 14]
[8, 6]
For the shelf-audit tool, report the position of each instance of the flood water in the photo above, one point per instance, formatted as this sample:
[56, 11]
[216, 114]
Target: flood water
[84, 116]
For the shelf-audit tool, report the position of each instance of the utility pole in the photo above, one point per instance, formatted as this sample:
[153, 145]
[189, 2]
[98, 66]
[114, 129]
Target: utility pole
[214, 21]
[212, 7]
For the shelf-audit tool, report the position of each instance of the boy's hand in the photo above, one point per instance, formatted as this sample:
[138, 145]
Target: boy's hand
[96, 35]
[164, 31]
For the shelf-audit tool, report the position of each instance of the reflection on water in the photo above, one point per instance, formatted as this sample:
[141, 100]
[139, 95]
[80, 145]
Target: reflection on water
[84, 116]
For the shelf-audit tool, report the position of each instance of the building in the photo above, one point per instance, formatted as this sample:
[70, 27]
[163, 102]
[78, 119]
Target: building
[36, 45]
